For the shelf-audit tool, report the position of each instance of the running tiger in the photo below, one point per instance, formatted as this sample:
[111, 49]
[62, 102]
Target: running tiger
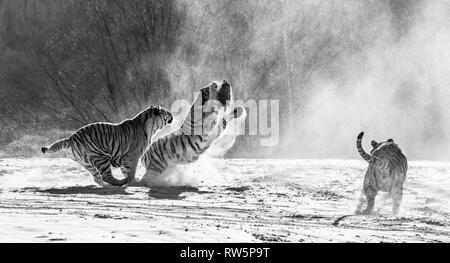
[196, 134]
[99, 146]
[386, 172]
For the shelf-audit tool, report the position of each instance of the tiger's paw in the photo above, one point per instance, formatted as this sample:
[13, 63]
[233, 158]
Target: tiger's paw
[100, 182]
[238, 111]
[363, 212]
[367, 212]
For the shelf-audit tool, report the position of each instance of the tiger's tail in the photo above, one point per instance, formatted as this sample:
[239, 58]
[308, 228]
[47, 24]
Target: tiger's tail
[57, 146]
[361, 151]
[382, 164]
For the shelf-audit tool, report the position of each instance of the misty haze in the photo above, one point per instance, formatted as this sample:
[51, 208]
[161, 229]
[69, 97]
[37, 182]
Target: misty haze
[311, 76]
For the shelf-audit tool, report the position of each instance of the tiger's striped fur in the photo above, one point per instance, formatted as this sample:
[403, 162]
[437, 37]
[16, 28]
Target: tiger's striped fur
[99, 146]
[386, 172]
[195, 136]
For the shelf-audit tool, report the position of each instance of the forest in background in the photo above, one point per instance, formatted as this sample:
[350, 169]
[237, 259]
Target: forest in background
[67, 63]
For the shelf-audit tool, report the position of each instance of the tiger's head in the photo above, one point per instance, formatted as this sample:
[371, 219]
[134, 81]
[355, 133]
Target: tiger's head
[382, 146]
[383, 154]
[155, 118]
[204, 112]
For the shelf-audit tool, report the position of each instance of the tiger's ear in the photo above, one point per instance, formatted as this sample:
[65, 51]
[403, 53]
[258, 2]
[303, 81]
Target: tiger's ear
[390, 140]
[374, 144]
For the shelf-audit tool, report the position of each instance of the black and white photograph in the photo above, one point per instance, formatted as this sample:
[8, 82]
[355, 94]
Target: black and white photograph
[224, 121]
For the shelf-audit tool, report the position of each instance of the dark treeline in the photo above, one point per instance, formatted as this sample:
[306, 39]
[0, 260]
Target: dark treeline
[71, 62]
[66, 63]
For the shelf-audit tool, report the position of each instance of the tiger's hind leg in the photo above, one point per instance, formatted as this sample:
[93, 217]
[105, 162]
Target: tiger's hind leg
[396, 191]
[361, 201]
[129, 171]
[88, 167]
[153, 177]
[397, 196]
[103, 167]
[370, 194]
[95, 174]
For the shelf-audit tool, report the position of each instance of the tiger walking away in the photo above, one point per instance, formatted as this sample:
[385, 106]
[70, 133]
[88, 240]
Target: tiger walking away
[386, 172]
[198, 131]
[100, 146]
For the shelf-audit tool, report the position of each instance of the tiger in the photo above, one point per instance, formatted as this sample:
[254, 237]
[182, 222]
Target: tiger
[386, 172]
[198, 131]
[98, 146]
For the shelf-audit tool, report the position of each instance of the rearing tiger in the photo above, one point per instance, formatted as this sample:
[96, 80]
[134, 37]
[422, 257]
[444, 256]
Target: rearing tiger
[386, 172]
[99, 146]
[198, 131]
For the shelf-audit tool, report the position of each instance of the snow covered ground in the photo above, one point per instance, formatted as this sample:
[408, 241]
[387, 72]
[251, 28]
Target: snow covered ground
[236, 200]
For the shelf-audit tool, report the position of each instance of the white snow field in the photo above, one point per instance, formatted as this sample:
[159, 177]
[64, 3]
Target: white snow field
[230, 200]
